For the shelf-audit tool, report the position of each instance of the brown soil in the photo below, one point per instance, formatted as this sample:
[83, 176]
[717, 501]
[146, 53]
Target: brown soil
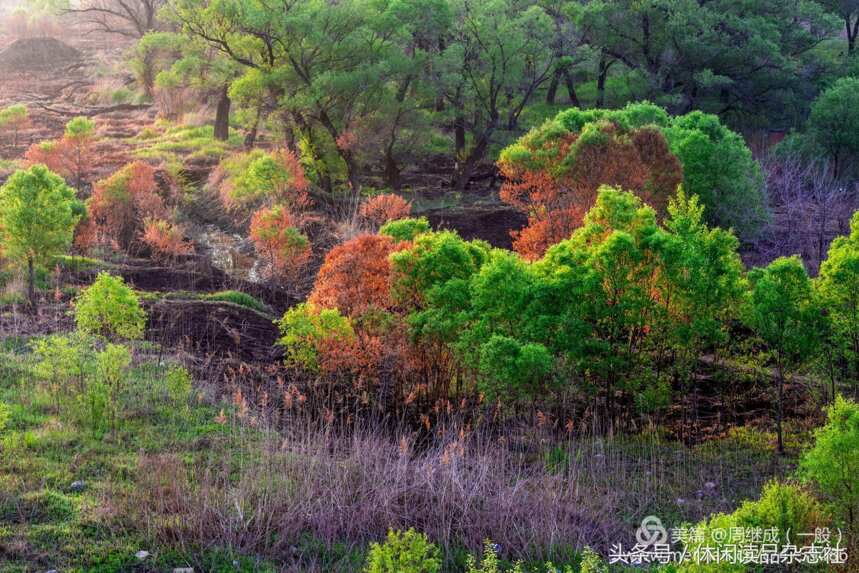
[29, 54]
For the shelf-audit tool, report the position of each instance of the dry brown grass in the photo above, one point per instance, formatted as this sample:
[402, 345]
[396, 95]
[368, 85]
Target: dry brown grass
[265, 491]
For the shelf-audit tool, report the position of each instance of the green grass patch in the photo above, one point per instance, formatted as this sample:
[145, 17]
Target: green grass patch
[239, 298]
[173, 143]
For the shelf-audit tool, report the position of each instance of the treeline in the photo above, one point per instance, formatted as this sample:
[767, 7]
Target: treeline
[357, 87]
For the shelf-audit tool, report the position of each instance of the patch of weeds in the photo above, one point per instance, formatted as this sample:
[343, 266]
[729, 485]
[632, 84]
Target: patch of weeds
[335, 557]
[239, 298]
[556, 460]
[189, 142]
[48, 506]
[214, 561]
[12, 299]
[76, 263]
[121, 95]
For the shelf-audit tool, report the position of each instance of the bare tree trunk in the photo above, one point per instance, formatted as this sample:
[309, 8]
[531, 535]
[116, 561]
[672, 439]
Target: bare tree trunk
[571, 88]
[222, 115]
[345, 154]
[552, 91]
[852, 33]
[147, 75]
[463, 175]
[780, 406]
[251, 137]
[602, 74]
[392, 170]
[459, 135]
[31, 283]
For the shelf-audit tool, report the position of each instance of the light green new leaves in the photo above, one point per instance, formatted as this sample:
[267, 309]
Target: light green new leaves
[306, 329]
[38, 215]
[111, 309]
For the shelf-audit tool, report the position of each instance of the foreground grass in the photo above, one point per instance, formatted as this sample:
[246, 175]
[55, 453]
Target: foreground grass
[208, 485]
[61, 487]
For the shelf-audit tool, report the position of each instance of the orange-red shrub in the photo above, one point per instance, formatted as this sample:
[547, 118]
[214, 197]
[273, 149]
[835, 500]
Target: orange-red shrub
[166, 239]
[120, 204]
[559, 190]
[356, 275]
[72, 156]
[276, 237]
[52, 154]
[380, 209]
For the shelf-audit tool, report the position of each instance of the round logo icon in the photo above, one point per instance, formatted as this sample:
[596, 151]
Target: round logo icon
[651, 532]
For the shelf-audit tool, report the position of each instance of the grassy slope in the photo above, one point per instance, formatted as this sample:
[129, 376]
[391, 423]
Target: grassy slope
[45, 525]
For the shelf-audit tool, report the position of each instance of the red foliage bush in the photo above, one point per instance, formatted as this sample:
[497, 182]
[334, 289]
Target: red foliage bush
[347, 140]
[52, 154]
[276, 237]
[541, 233]
[166, 239]
[380, 209]
[356, 275]
[120, 204]
[556, 196]
[71, 157]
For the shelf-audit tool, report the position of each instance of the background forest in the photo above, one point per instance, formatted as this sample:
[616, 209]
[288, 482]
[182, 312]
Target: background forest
[420, 286]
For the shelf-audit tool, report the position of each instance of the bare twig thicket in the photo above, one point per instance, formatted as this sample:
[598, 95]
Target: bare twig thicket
[809, 207]
[266, 491]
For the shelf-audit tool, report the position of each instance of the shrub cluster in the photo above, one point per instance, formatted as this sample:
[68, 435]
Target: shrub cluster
[622, 309]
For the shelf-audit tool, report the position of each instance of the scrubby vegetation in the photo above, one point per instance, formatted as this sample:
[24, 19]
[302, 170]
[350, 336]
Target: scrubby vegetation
[428, 286]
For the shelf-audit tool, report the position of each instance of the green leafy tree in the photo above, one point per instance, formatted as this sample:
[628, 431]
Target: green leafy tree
[613, 248]
[323, 66]
[834, 122]
[719, 168]
[838, 288]
[38, 215]
[405, 229]
[14, 118]
[154, 53]
[701, 285]
[511, 369]
[434, 261]
[833, 462]
[173, 62]
[496, 60]
[783, 312]
[695, 55]
[61, 363]
[111, 309]
[404, 552]
[111, 376]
